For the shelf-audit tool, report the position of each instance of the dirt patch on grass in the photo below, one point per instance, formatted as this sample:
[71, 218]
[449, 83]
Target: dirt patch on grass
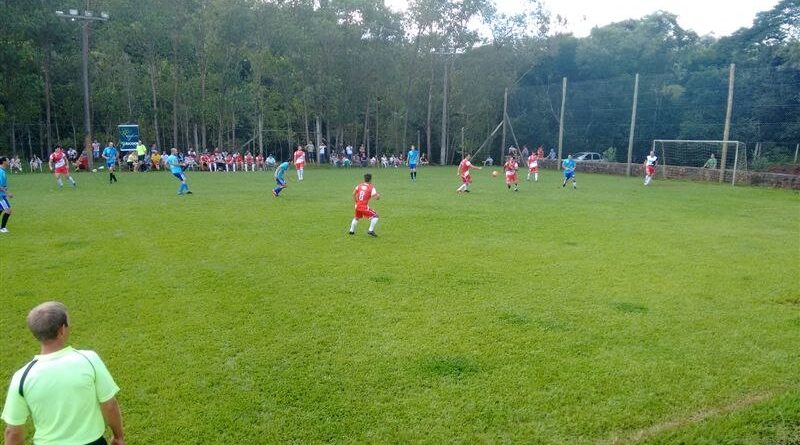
[646, 433]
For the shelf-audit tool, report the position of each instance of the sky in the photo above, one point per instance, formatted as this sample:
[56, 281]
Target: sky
[717, 17]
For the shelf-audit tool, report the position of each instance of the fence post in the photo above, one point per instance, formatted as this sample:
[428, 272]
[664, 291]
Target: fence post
[727, 131]
[633, 123]
[561, 120]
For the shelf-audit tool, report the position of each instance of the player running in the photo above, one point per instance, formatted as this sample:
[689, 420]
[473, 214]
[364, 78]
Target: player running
[511, 166]
[280, 178]
[176, 167]
[60, 167]
[569, 171]
[463, 173]
[5, 206]
[361, 196]
[533, 167]
[650, 167]
[299, 162]
[110, 155]
[413, 158]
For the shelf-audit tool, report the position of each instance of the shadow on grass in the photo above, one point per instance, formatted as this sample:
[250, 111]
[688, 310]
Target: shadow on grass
[629, 308]
[450, 366]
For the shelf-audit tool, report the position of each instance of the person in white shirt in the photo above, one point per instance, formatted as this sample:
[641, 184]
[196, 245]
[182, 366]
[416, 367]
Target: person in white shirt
[650, 167]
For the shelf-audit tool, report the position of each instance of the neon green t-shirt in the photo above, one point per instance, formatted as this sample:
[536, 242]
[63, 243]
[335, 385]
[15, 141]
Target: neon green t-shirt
[141, 150]
[62, 393]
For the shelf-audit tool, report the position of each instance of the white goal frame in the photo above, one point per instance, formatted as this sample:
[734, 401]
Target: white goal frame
[723, 168]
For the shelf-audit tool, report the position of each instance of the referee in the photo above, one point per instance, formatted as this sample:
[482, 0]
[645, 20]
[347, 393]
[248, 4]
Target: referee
[69, 393]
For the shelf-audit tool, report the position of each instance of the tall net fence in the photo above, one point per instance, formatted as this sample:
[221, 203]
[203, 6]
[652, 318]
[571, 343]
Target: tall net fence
[681, 105]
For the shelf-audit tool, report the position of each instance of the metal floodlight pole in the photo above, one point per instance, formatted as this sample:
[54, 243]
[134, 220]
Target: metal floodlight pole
[85, 18]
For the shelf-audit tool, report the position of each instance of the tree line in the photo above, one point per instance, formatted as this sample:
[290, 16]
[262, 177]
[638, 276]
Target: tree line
[268, 74]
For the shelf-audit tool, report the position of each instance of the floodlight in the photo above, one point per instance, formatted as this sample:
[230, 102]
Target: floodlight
[73, 12]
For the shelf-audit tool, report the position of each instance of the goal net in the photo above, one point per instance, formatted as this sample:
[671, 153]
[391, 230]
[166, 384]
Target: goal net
[702, 160]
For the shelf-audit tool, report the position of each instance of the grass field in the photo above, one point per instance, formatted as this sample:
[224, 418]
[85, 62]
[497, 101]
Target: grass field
[613, 313]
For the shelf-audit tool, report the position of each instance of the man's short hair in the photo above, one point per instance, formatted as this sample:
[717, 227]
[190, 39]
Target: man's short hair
[3, 159]
[368, 177]
[46, 319]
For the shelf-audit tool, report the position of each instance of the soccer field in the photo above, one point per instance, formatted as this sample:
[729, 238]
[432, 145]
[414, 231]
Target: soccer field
[613, 313]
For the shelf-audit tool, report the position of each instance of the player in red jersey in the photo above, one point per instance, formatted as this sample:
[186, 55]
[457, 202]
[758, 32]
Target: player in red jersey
[237, 161]
[511, 166]
[533, 166]
[259, 161]
[60, 167]
[299, 162]
[249, 163]
[463, 173]
[361, 196]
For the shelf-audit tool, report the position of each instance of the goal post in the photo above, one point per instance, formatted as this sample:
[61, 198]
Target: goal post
[702, 160]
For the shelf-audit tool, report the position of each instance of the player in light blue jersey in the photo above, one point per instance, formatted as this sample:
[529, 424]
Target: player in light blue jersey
[5, 206]
[413, 158]
[569, 171]
[176, 167]
[110, 155]
[280, 178]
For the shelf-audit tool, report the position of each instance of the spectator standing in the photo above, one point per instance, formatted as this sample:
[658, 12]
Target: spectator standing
[310, 152]
[322, 150]
[348, 151]
[95, 149]
[69, 393]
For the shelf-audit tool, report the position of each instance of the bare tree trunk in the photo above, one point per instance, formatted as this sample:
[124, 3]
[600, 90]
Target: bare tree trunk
[13, 138]
[221, 122]
[408, 88]
[203, 103]
[155, 103]
[233, 133]
[305, 120]
[47, 89]
[366, 126]
[186, 128]
[30, 144]
[175, 107]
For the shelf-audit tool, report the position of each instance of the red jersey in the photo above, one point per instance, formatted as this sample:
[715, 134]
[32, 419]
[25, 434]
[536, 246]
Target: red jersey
[363, 193]
[299, 157]
[463, 167]
[533, 161]
[229, 159]
[260, 159]
[59, 159]
[511, 167]
[237, 158]
[248, 159]
[540, 152]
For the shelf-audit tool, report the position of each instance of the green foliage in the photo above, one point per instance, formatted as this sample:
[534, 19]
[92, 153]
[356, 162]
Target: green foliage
[610, 154]
[545, 316]
[226, 65]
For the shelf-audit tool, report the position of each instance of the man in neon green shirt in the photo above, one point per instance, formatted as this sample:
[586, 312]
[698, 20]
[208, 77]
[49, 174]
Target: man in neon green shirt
[69, 393]
[141, 151]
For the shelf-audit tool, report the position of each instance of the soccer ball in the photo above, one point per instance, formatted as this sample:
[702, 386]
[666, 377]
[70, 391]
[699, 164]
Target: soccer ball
[494, 173]
[94, 170]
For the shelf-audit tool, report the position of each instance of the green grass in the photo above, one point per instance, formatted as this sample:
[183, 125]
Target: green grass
[609, 314]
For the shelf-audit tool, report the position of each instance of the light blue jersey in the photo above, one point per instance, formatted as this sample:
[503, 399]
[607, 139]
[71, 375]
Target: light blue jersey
[3, 183]
[174, 164]
[569, 165]
[281, 171]
[413, 157]
[110, 154]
